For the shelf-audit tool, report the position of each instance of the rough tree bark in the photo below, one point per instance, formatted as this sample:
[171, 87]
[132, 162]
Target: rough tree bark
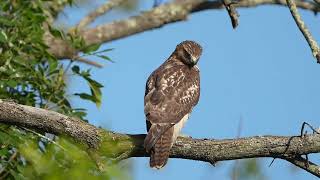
[124, 146]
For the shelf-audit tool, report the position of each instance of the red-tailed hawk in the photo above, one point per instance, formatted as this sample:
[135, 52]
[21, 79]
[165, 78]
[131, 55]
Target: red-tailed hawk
[172, 91]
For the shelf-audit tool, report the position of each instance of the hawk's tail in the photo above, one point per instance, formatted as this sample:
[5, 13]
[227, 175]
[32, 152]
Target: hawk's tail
[160, 152]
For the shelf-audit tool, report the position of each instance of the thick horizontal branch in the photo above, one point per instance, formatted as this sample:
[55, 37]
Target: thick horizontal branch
[125, 146]
[155, 18]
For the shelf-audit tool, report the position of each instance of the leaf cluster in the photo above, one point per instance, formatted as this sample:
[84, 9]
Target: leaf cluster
[26, 155]
[30, 75]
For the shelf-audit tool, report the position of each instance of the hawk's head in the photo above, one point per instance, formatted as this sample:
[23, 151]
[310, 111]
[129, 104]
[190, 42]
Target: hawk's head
[188, 52]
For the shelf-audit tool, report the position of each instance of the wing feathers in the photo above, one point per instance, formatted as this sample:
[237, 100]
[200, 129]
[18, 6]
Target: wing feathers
[171, 93]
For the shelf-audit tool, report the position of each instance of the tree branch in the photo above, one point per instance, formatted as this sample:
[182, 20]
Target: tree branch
[304, 30]
[86, 61]
[98, 12]
[155, 18]
[305, 164]
[233, 14]
[125, 146]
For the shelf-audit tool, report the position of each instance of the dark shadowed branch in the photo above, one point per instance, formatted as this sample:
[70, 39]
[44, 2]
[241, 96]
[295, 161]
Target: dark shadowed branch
[289, 148]
[233, 14]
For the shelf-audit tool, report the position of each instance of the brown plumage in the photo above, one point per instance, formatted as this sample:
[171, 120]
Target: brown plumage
[172, 90]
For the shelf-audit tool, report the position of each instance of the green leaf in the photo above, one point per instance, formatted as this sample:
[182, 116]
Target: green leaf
[86, 96]
[96, 92]
[4, 152]
[91, 48]
[12, 83]
[95, 88]
[79, 112]
[105, 57]
[106, 50]
[94, 82]
[53, 65]
[3, 37]
[5, 21]
[76, 69]
[56, 33]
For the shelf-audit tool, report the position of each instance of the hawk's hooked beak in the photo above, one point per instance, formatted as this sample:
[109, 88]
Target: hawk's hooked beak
[194, 60]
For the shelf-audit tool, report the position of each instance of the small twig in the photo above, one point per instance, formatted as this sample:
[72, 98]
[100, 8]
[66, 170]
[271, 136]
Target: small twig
[121, 157]
[272, 161]
[302, 134]
[98, 12]
[301, 162]
[304, 30]
[306, 163]
[68, 67]
[302, 129]
[86, 61]
[44, 137]
[233, 14]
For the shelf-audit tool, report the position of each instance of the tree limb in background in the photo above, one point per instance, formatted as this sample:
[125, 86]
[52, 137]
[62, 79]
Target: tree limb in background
[155, 18]
[304, 30]
[317, 1]
[305, 164]
[233, 14]
[126, 146]
[98, 12]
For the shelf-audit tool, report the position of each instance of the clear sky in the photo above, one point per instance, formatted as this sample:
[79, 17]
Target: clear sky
[262, 72]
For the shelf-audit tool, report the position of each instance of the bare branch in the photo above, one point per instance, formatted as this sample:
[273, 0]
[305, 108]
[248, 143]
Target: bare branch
[304, 30]
[165, 14]
[98, 12]
[233, 14]
[155, 18]
[86, 61]
[126, 146]
[302, 163]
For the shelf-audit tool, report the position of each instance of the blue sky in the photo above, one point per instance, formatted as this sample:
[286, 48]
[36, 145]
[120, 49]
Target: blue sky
[262, 72]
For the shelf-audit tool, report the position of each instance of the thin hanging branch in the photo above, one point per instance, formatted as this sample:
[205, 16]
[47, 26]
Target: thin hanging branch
[304, 30]
[87, 61]
[233, 14]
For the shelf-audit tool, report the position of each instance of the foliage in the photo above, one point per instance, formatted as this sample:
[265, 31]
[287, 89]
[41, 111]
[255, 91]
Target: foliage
[30, 75]
[247, 169]
[39, 158]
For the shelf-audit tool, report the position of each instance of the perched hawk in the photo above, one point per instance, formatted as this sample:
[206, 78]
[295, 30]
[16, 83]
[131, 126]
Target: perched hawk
[172, 91]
